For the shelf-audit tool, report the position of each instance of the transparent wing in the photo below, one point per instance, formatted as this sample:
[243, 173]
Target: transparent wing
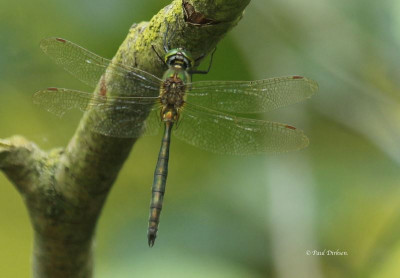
[251, 96]
[114, 116]
[226, 134]
[89, 67]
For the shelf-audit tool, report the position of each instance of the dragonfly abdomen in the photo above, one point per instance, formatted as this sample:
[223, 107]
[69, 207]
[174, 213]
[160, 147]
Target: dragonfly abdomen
[158, 188]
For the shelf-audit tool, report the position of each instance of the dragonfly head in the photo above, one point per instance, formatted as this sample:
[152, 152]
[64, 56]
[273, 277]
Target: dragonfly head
[179, 56]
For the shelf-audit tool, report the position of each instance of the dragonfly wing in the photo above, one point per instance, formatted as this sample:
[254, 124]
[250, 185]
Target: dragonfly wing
[226, 134]
[89, 67]
[251, 96]
[115, 116]
[126, 122]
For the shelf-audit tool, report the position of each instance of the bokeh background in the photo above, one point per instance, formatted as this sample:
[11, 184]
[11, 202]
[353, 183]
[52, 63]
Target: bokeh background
[233, 216]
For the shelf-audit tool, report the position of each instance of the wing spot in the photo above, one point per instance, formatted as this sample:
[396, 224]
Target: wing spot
[61, 40]
[290, 127]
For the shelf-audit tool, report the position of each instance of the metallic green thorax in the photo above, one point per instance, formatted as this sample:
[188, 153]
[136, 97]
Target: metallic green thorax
[172, 99]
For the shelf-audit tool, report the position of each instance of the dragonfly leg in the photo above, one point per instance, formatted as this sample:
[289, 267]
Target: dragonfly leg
[209, 65]
[158, 55]
[165, 44]
[167, 41]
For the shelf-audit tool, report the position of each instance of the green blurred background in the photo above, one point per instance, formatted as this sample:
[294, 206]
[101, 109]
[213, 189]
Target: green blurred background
[233, 216]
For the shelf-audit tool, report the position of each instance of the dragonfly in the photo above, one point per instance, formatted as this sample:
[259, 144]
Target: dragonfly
[205, 114]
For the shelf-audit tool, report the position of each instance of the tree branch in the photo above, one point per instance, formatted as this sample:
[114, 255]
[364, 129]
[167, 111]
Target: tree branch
[19, 161]
[64, 191]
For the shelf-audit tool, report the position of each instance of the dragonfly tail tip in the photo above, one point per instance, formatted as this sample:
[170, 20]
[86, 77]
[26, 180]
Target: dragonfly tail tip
[151, 240]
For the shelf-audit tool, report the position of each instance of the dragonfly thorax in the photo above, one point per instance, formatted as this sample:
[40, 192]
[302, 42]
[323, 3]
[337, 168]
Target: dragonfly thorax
[172, 92]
